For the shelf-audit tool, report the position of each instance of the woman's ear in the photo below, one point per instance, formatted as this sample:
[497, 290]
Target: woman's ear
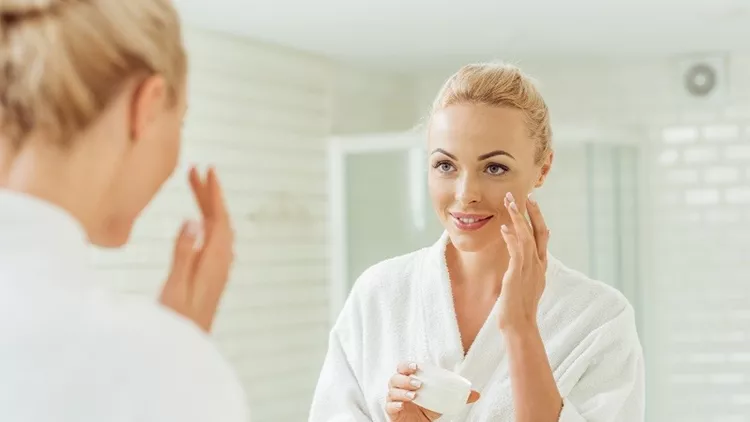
[148, 101]
[544, 169]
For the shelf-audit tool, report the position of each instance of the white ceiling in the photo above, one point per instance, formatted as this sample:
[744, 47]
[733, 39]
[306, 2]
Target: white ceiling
[420, 34]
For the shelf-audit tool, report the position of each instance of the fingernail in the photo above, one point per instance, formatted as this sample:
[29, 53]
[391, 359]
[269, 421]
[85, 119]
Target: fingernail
[510, 197]
[513, 206]
[504, 228]
[415, 383]
[532, 200]
[413, 366]
[411, 395]
[193, 229]
[195, 232]
[398, 405]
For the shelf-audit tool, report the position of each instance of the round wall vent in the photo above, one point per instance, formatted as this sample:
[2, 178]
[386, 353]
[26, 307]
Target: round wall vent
[700, 79]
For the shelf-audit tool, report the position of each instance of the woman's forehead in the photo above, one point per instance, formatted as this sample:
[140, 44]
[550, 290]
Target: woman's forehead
[476, 129]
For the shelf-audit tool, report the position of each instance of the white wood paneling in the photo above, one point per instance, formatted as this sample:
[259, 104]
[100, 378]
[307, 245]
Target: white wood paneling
[261, 115]
[366, 101]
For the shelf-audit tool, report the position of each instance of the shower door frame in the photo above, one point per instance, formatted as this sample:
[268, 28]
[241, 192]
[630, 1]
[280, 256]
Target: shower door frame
[339, 149]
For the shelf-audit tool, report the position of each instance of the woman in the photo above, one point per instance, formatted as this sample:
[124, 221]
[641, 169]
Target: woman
[92, 97]
[539, 341]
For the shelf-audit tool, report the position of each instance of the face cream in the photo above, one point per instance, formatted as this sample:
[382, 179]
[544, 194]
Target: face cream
[442, 391]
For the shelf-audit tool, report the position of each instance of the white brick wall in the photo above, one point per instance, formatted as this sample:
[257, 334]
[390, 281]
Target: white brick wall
[699, 289]
[367, 101]
[694, 297]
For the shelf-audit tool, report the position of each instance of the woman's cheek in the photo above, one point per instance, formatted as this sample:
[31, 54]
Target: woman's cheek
[499, 192]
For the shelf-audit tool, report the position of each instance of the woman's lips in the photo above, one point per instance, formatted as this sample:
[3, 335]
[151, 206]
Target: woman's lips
[469, 222]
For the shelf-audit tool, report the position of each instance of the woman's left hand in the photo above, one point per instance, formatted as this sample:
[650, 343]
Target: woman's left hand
[203, 256]
[524, 281]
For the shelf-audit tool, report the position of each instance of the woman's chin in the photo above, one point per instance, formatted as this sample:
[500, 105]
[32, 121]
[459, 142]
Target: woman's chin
[472, 241]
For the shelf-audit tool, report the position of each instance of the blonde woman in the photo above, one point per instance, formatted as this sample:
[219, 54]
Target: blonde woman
[538, 341]
[92, 97]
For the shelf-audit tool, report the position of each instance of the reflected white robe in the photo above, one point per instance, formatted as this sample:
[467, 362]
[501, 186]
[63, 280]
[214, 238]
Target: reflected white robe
[401, 309]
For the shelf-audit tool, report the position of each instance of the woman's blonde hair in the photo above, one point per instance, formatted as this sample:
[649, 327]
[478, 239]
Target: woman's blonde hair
[502, 85]
[63, 61]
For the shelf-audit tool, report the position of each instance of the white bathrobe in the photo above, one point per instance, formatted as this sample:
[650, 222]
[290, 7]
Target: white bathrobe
[401, 309]
[72, 352]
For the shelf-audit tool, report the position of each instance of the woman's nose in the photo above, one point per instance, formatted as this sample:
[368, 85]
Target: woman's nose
[468, 190]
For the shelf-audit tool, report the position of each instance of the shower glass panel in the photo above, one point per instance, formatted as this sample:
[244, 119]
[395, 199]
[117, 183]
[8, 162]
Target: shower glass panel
[387, 208]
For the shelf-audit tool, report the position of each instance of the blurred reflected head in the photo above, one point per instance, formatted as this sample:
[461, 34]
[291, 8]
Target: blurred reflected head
[92, 98]
[489, 134]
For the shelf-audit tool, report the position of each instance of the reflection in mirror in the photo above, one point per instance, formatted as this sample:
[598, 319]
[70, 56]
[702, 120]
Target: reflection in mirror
[482, 299]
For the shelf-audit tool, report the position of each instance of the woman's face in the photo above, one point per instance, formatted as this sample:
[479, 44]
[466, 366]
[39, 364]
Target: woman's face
[479, 153]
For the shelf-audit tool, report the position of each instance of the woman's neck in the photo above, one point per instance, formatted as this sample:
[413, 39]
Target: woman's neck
[59, 179]
[481, 271]
[7, 154]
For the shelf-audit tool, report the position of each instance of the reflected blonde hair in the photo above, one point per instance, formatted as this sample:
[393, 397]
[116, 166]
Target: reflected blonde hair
[500, 85]
[63, 61]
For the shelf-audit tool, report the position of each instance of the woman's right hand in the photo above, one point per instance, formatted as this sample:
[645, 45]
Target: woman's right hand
[403, 389]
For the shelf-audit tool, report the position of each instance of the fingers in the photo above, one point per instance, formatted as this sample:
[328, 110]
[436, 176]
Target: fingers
[514, 246]
[213, 262]
[473, 397]
[200, 191]
[516, 234]
[520, 224]
[217, 254]
[216, 195]
[404, 382]
[541, 232]
[209, 196]
[219, 230]
[407, 368]
[398, 394]
[402, 390]
[186, 249]
[402, 387]
[179, 284]
[218, 235]
[393, 408]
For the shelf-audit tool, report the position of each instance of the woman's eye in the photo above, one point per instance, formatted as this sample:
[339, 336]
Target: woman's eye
[496, 169]
[444, 167]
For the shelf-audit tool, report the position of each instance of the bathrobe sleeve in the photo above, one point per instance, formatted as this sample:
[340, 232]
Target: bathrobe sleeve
[612, 386]
[338, 395]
